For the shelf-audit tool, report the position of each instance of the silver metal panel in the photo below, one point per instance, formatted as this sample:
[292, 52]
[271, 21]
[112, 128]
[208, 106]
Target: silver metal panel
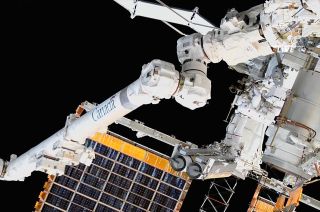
[305, 107]
[286, 167]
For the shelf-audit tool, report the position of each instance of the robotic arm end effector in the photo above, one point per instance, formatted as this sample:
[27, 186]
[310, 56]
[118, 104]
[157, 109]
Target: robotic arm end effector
[194, 87]
[159, 80]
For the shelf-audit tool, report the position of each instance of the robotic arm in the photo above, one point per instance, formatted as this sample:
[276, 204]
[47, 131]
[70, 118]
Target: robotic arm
[158, 80]
[276, 26]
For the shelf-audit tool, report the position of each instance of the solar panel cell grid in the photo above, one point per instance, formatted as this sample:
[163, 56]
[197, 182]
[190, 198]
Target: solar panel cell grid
[114, 182]
[98, 172]
[88, 191]
[147, 181]
[115, 190]
[165, 201]
[110, 200]
[73, 172]
[66, 181]
[124, 171]
[173, 180]
[75, 207]
[129, 161]
[152, 171]
[169, 191]
[159, 208]
[142, 191]
[84, 201]
[130, 207]
[103, 208]
[102, 162]
[62, 192]
[117, 180]
[49, 208]
[93, 181]
[106, 151]
[57, 201]
[138, 201]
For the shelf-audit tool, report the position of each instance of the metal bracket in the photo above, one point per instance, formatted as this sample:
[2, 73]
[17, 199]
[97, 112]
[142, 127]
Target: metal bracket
[133, 14]
[194, 12]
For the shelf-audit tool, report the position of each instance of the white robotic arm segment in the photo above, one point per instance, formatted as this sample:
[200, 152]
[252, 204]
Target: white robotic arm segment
[256, 32]
[158, 80]
[190, 48]
[235, 48]
[238, 40]
[195, 88]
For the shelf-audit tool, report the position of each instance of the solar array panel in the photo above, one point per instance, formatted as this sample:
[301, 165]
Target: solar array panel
[115, 182]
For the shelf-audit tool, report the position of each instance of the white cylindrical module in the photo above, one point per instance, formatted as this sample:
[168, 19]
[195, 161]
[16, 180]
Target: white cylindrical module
[292, 145]
[305, 105]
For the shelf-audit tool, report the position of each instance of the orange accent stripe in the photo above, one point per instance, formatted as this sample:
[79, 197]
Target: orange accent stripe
[137, 153]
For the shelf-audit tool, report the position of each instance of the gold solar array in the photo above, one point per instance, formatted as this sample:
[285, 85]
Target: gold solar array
[122, 177]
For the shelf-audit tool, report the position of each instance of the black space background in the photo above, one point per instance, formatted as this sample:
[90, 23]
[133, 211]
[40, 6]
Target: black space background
[56, 54]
